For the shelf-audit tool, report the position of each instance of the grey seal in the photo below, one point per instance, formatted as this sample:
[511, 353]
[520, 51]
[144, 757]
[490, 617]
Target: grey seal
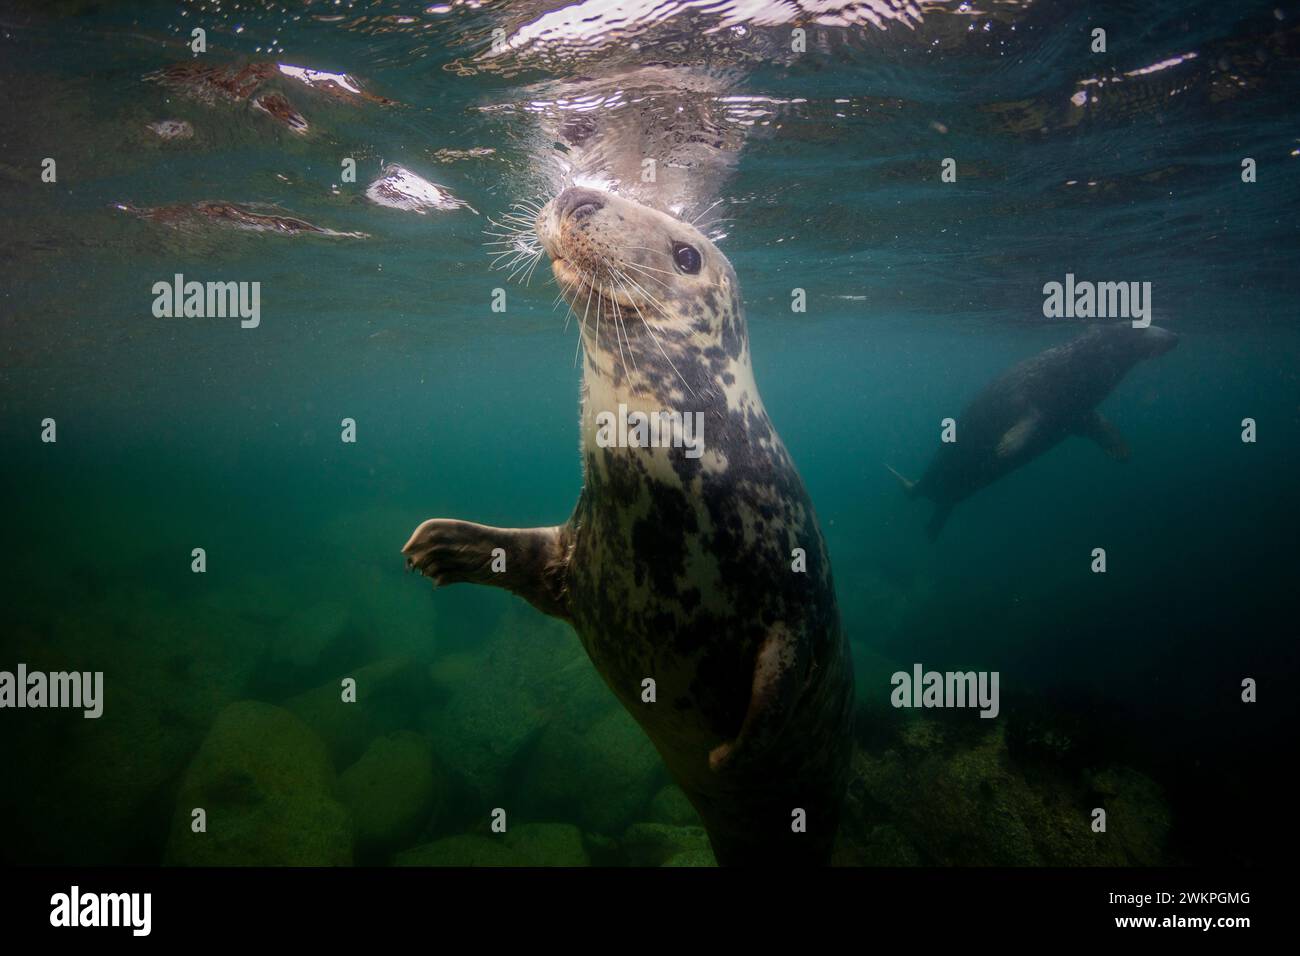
[1031, 408]
[695, 563]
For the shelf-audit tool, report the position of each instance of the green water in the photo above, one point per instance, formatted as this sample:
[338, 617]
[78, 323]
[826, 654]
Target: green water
[1119, 690]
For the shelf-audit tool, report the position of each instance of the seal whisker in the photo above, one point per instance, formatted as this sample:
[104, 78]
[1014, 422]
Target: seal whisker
[582, 329]
[663, 310]
[658, 252]
[649, 328]
[641, 265]
[506, 260]
[633, 265]
[618, 324]
[514, 246]
[528, 276]
[524, 265]
[641, 268]
[599, 294]
[705, 211]
[569, 313]
[627, 337]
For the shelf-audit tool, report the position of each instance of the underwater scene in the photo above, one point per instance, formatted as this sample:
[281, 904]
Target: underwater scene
[872, 426]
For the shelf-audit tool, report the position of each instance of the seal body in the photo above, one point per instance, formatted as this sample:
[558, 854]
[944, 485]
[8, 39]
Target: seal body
[692, 569]
[1031, 408]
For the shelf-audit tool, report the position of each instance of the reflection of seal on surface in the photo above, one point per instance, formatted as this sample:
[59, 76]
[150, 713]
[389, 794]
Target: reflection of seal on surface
[680, 568]
[1031, 408]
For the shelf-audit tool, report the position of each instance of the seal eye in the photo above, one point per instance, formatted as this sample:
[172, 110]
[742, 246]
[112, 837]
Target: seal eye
[686, 257]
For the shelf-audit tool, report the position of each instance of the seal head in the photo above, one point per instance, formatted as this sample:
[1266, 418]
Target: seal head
[650, 292]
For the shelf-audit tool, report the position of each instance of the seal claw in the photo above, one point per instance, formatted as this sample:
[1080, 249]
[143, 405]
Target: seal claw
[528, 561]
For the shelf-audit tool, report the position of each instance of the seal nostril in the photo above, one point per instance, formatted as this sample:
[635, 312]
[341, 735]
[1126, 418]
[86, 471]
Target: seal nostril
[578, 203]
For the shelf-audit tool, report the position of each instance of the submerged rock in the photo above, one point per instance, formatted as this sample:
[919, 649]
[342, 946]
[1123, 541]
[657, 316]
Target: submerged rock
[310, 646]
[658, 844]
[945, 792]
[170, 666]
[481, 732]
[701, 856]
[464, 850]
[389, 697]
[265, 783]
[671, 806]
[601, 773]
[528, 724]
[528, 844]
[498, 705]
[1137, 818]
[392, 792]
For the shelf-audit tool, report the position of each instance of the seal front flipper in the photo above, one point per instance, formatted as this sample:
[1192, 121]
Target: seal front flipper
[1017, 437]
[530, 562]
[1100, 429]
[780, 671]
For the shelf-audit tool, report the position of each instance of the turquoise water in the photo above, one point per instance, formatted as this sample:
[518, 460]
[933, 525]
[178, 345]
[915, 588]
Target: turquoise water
[1119, 690]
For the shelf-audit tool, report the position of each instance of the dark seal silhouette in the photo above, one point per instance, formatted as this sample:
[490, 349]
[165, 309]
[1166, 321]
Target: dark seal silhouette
[1031, 408]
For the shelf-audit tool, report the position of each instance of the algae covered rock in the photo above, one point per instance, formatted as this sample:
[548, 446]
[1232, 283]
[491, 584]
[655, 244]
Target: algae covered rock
[170, 665]
[498, 702]
[389, 697]
[702, 856]
[873, 845]
[526, 721]
[481, 732]
[1137, 818]
[392, 792]
[946, 792]
[671, 806]
[528, 844]
[466, 849]
[306, 648]
[602, 774]
[659, 844]
[265, 782]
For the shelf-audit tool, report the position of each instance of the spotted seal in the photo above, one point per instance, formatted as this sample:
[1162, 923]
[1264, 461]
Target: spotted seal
[701, 569]
[1031, 408]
